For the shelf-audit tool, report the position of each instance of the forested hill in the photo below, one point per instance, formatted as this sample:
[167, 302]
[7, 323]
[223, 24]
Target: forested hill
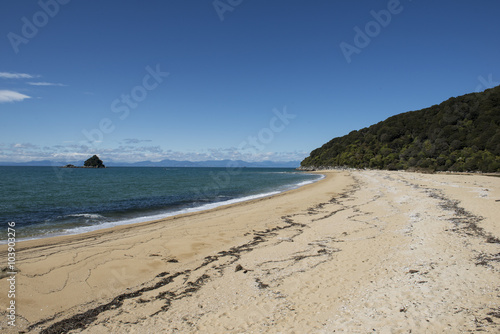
[461, 134]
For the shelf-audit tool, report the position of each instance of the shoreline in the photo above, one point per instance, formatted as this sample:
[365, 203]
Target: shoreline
[359, 250]
[47, 266]
[161, 216]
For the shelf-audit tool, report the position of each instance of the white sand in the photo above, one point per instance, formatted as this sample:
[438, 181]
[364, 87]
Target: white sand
[359, 252]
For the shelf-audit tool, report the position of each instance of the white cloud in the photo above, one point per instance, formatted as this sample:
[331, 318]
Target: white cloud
[19, 152]
[8, 75]
[136, 141]
[11, 96]
[46, 84]
[25, 146]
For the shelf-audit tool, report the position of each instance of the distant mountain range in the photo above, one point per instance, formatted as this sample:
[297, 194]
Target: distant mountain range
[167, 163]
[461, 134]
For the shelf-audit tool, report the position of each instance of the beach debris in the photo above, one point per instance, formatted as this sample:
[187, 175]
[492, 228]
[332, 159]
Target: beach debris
[173, 260]
[6, 272]
[260, 284]
[239, 267]
[495, 313]
[492, 240]
[163, 274]
[485, 259]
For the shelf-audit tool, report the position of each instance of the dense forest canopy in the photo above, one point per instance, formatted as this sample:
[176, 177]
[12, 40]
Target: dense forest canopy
[461, 134]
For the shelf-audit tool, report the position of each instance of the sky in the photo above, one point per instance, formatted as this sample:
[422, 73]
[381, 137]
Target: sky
[253, 80]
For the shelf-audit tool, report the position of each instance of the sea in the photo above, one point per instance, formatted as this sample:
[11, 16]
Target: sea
[51, 201]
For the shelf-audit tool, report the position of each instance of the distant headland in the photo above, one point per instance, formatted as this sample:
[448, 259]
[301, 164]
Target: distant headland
[92, 162]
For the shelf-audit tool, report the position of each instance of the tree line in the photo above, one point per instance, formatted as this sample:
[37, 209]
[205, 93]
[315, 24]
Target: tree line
[461, 134]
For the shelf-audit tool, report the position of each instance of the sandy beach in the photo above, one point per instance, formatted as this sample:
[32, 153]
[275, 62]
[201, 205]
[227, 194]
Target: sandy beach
[358, 252]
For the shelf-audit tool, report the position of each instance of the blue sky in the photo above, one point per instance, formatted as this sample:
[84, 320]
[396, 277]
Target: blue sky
[228, 79]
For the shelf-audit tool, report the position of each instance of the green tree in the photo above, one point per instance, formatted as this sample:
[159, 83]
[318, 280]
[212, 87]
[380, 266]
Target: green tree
[462, 133]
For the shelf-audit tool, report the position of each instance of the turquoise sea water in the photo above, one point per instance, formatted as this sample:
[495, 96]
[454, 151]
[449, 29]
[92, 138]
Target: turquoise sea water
[47, 201]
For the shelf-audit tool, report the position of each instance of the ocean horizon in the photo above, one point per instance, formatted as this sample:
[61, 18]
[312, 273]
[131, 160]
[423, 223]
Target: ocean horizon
[51, 201]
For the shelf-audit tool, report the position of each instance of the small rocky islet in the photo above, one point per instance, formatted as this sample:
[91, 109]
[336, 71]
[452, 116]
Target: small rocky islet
[92, 162]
